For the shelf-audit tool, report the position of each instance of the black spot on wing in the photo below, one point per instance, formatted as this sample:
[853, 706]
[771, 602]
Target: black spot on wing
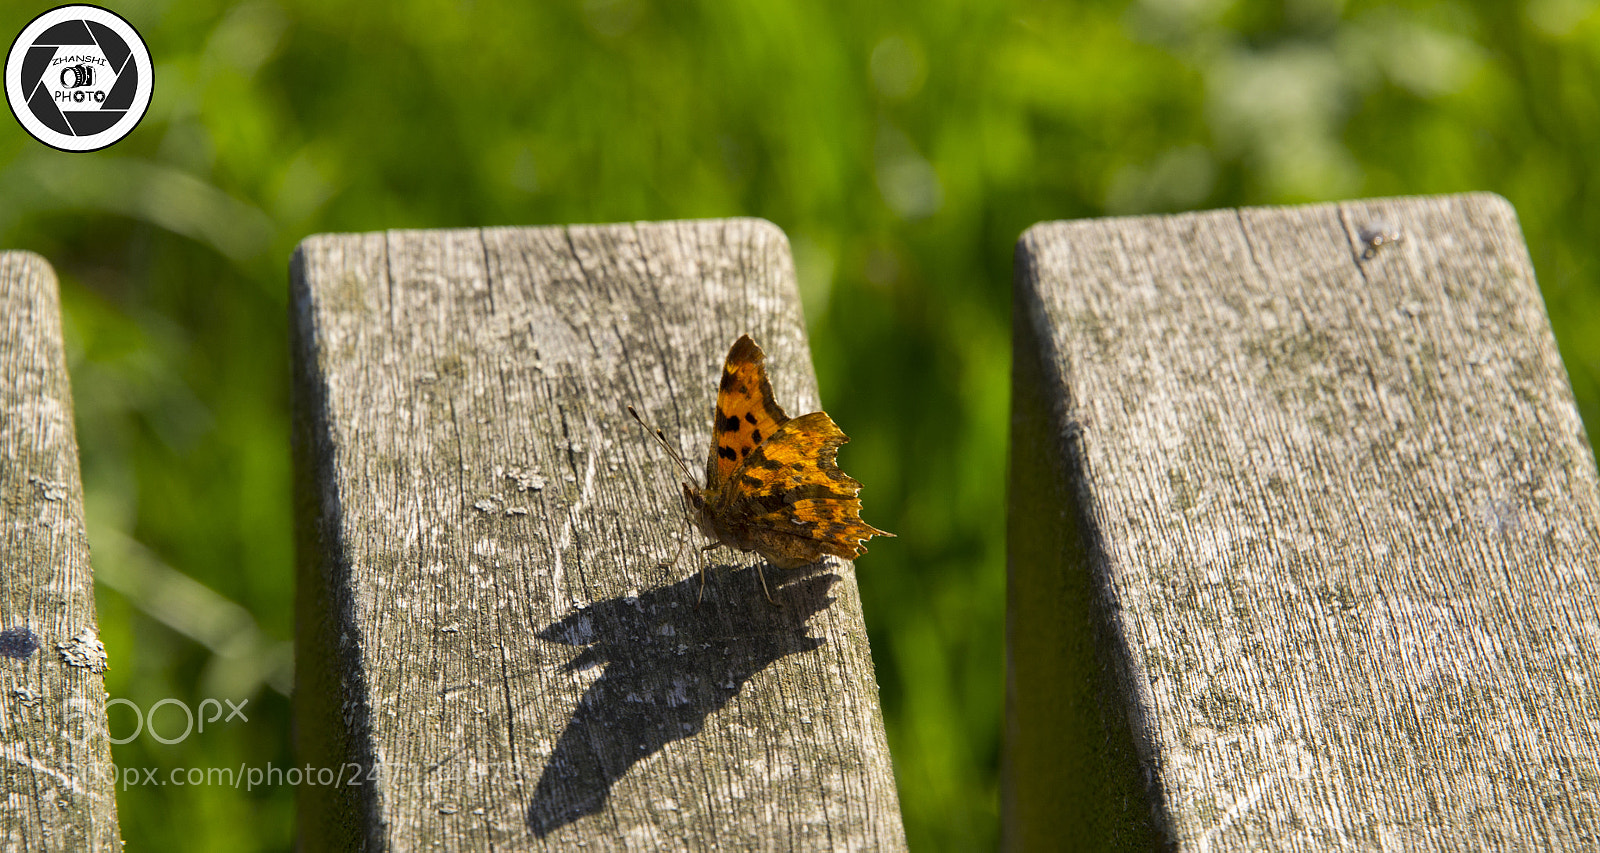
[728, 379]
[727, 453]
[751, 418]
[727, 423]
[755, 435]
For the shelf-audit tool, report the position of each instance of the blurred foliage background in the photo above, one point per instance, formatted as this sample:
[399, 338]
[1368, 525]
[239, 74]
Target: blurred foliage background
[903, 146]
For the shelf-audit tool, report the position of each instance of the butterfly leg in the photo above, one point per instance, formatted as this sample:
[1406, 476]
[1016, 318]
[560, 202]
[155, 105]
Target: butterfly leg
[763, 576]
[667, 564]
[704, 570]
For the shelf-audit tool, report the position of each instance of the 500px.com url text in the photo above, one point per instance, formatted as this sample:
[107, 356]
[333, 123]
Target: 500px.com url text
[247, 777]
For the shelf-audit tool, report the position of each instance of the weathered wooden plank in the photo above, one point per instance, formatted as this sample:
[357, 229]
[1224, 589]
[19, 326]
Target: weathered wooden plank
[484, 630]
[1303, 537]
[55, 772]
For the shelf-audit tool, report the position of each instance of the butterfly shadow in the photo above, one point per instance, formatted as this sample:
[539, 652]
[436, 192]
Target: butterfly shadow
[668, 666]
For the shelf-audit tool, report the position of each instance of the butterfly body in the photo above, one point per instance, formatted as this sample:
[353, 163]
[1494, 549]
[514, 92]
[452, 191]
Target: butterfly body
[773, 485]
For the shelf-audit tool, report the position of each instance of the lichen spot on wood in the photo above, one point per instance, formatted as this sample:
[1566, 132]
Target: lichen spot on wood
[19, 643]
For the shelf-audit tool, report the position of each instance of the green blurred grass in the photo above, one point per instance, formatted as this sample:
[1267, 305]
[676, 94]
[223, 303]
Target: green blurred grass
[902, 146]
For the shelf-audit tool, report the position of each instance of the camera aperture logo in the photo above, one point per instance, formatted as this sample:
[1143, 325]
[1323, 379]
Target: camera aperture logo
[78, 78]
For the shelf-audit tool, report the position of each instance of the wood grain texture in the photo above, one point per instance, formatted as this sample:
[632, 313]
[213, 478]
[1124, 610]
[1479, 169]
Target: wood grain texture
[55, 772]
[1303, 536]
[484, 632]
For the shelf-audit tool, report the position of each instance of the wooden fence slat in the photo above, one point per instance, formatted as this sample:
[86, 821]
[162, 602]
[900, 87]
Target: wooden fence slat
[55, 773]
[1304, 537]
[484, 632]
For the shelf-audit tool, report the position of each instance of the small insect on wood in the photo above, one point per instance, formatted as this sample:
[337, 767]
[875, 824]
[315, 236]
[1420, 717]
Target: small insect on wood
[772, 484]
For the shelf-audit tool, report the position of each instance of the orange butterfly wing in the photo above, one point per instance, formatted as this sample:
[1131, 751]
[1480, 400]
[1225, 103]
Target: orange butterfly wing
[746, 414]
[796, 503]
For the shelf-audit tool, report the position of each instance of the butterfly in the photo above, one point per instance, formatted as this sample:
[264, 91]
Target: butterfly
[772, 485]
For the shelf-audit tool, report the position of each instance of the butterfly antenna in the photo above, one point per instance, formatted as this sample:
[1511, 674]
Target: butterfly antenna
[672, 452]
[677, 459]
